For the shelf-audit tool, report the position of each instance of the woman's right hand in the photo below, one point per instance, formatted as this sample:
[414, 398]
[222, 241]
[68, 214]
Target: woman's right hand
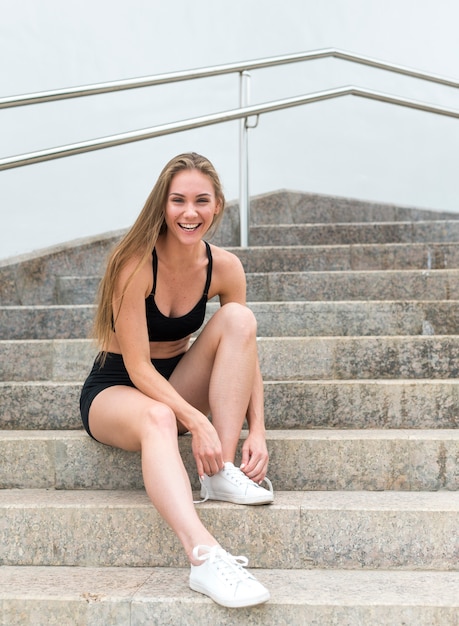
[207, 448]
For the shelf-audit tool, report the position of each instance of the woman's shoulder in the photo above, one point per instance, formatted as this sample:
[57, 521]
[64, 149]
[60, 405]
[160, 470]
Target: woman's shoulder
[136, 263]
[228, 276]
[137, 271]
[224, 259]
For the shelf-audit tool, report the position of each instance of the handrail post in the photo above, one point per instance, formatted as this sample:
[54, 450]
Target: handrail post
[244, 202]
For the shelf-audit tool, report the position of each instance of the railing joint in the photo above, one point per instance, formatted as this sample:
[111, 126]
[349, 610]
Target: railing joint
[254, 124]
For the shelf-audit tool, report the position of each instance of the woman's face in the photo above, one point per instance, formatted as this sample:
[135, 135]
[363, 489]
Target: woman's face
[191, 206]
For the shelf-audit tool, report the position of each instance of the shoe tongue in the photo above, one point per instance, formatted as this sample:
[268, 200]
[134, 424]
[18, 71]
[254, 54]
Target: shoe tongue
[228, 465]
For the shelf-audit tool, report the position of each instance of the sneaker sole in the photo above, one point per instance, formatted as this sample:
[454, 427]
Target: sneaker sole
[231, 604]
[235, 500]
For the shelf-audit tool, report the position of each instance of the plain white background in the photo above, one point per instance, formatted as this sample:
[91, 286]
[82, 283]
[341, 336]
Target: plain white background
[348, 146]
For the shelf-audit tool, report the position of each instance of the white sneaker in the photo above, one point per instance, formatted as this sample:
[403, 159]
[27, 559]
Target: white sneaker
[232, 485]
[223, 578]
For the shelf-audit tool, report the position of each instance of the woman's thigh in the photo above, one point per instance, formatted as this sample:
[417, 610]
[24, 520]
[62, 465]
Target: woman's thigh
[118, 416]
[191, 378]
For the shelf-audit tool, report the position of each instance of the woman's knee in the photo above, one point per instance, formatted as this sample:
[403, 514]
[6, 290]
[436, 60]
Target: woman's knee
[158, 417]
[238, 318]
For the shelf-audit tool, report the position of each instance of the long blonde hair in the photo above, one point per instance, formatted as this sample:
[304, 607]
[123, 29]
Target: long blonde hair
[141, 238]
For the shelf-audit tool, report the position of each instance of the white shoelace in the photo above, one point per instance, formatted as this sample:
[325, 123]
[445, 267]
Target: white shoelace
[237, 477]
[231, 567]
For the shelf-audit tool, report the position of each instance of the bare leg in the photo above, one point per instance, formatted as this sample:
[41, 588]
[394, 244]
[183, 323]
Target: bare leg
[218, 372]
[125, 418]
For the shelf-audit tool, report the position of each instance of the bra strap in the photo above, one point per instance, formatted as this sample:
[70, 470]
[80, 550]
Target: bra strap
[155, 270]
[209, 269]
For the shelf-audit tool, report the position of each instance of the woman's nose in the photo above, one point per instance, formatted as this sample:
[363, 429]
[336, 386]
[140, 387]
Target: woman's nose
[190, 209]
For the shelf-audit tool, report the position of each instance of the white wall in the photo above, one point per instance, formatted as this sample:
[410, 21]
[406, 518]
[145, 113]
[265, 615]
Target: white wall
[347, 146]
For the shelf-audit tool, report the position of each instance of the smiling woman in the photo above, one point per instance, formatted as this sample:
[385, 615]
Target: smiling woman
[192, 204]
[149, 384]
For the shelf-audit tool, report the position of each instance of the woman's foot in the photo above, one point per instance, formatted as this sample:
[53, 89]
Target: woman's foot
[232, 485]
[223, 578]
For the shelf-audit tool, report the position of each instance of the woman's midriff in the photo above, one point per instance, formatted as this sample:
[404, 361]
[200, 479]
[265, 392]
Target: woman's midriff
[158, 349]
[168, 349]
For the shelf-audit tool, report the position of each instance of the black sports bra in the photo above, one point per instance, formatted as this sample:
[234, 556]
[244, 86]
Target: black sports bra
[163, 328]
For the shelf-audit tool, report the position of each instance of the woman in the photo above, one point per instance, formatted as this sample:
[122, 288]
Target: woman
[148, 384]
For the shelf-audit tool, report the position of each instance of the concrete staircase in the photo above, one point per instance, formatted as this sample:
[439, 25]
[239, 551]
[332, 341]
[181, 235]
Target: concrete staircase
[358, 315]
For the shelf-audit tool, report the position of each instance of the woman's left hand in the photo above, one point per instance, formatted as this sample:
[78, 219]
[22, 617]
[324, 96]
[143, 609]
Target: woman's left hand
[255, 457]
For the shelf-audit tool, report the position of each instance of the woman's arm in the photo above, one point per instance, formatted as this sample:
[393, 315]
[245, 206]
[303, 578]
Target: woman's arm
[132, 336]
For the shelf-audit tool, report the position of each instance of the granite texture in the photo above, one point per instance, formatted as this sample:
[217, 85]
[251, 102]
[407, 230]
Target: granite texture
[77, 290]
[158, 596]
[281, 358]
[40, 405]
[295, 207]
[357, 233]
[298, 318]
[122, 528]
[355, 285]
[429, 256]
[320, 208]
[58, 360]
[346, 530]
[326, 285]
[345, 358]
[418, 536]
[25, 360]
[357, 318]
[300, 460]
[46, 322]
[288, 404]
[68, 596]
[362, 404]
[32, 278]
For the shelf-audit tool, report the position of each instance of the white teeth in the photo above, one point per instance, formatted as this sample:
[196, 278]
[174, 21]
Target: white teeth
[189, 226]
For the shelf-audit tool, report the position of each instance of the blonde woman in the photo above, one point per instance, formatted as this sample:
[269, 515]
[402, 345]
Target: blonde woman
[149, 383]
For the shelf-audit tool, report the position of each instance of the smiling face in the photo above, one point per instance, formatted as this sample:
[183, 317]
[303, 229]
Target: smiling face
[191, 205]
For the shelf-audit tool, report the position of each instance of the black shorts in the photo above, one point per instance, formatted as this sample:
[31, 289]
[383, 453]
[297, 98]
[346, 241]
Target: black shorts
[114, 373]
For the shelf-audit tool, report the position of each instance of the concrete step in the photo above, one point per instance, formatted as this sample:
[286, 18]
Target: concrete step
[344, 358]
[300, 460]
[300, 207]
[356, 233]
[336, 530]
[430, 404]
[354, 318]
[265, 279]
[423, 284]
[281, 358]
[31, 278]
[389, 256]
[294, 286]
[46, 321]
[354, 285]
[77, 289]
[117, 596]
[46, 280]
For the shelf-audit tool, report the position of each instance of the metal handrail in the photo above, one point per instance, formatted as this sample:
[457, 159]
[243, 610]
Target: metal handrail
[216, 118]
[217, 70]
[243, 113]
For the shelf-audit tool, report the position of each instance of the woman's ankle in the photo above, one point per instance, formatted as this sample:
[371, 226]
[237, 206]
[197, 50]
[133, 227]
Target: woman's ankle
[192, 557]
